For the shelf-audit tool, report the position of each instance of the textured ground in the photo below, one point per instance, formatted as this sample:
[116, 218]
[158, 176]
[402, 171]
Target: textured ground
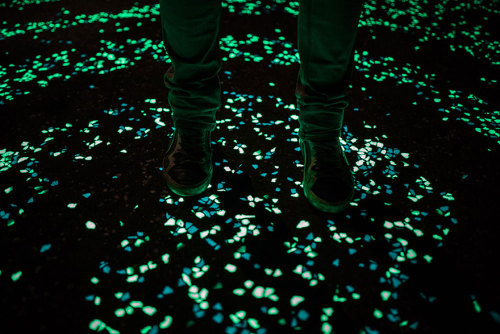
[92, 240]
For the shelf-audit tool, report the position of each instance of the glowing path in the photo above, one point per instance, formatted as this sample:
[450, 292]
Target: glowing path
[82, 187]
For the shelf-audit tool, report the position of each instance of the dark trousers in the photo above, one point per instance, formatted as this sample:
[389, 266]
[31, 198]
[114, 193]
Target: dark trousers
[326, 35]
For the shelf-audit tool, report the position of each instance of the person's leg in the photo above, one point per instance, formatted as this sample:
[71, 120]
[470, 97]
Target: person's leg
[326, 35]
[190, 30]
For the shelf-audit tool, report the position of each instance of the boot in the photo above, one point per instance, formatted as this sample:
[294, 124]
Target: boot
[187, 165]
[328, 182]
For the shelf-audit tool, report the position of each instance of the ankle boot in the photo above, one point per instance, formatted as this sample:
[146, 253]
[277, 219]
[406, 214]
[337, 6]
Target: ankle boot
[187, 165]
[328, 182]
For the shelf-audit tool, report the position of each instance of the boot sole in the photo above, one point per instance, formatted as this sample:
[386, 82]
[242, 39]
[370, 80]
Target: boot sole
[183, 190]
[324, 206]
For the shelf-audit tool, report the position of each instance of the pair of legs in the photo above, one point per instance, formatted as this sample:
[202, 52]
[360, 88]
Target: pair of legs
[326, 35]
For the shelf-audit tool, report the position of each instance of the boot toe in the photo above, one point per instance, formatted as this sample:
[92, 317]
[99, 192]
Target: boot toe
[187, 165]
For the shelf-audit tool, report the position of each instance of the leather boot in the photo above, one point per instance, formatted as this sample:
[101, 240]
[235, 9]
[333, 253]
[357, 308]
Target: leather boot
[187, 165]
[328, 182]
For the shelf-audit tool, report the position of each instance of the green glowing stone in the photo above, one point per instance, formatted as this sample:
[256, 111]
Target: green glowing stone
[90, 225]
[307, 275]
[234, 318]
[203, 293]
[385, 295]
[402, 241]
[248, 284]
[418, 233]
[16, 276]
[204, 305]
[146, 329]
[326, 328]
[72, 205]
[253, 323]
[96, 325]
[230, 267]
[258, 292]
[394, 270]
[272, 310]
[120, 312]
[149, 310]
[377, 314]
[132, 278]
[411, 254]
[165, 258]
[339, 299]
[186, 279]
[303, 224]
[328, 311]
[477, 307]
[136, 304]
[296, 300]
[166, 322]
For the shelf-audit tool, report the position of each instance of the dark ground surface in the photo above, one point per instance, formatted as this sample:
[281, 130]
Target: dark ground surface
[92, 240]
